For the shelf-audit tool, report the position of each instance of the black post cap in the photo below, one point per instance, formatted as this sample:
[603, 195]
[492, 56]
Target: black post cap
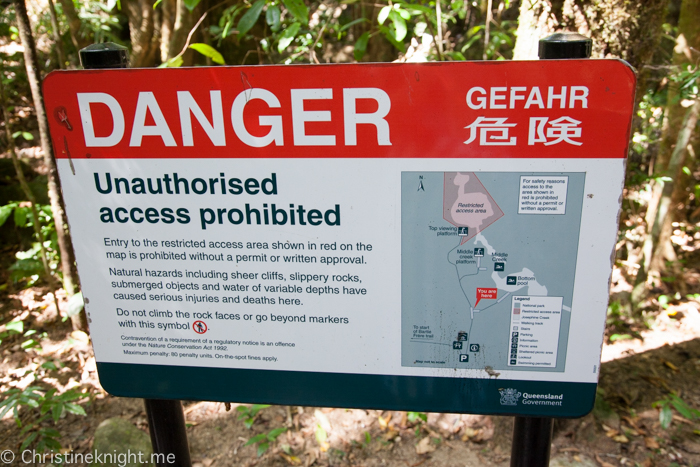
[107, 55]
[565, 45]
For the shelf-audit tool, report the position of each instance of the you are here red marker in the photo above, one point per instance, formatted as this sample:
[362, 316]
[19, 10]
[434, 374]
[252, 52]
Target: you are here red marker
[485, 293]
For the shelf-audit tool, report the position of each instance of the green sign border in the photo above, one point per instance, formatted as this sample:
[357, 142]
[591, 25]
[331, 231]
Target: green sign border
[386, 392]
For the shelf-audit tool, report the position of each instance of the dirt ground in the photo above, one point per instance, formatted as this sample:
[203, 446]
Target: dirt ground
[624, 428]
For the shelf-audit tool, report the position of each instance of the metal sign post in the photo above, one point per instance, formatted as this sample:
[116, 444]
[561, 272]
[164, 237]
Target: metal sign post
[532, 437]
[166, 420]
[424, 237]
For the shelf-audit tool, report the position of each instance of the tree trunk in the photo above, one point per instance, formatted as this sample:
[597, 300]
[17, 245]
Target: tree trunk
[168, 9]
[487, 29]
[74, 24]
[144, 43]
[181, 28]
[61, 54]
[64, 245]
[625, 29]
[687, 41]
[36, 224]
[657, 247]
[378, 48]
[536, 20]
[665, 212]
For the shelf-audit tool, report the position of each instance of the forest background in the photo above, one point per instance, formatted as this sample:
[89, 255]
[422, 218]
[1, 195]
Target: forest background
[47, 376]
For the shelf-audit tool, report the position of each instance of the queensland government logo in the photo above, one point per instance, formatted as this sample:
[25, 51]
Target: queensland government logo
[509, 396]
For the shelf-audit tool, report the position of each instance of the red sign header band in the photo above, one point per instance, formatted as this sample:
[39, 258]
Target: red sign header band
[542, 109]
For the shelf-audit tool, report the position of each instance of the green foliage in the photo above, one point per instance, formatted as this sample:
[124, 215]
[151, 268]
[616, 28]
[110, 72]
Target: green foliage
[298, 9]
[33, 407]
[646, 136]
[6, 211]
[287, 37]
[204, 49]
[361, 46]
[291, 31]
[29, 265]
[248, 414]
[7, 30]
[398, 16]
[615, 313]
[263, 440]
[673, 401]
[501, 40]
[208, 51]
[99, 21]
[75, 305]
[174, 62]
[34, 341]
[24, 134]
[191, 4]
[620, 337]
[13, 327]
[320, 435]
[249, 18]
[416, 417]
[226, 21]
[272, 17]
[16, 327]
[687, 80]
[620, 322]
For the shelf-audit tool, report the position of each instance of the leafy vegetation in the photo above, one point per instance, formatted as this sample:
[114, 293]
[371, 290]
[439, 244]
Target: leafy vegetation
[263, 440]
[672, 401]
[29, 266]
[248, 414]
[32, 407]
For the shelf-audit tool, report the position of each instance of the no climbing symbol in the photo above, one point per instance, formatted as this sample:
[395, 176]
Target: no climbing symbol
[200, 327]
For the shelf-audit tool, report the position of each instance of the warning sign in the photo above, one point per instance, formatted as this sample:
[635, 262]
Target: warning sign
[443, 227]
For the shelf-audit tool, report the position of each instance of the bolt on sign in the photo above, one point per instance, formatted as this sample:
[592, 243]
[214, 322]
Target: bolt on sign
[416, 237]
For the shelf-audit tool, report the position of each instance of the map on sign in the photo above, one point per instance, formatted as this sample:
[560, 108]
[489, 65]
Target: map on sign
[500, 249]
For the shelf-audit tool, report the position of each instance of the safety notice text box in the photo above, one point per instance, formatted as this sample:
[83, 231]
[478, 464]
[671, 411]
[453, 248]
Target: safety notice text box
[542, 195]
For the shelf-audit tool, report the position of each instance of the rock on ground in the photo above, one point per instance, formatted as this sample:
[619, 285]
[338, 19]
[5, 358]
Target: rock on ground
[119, 443]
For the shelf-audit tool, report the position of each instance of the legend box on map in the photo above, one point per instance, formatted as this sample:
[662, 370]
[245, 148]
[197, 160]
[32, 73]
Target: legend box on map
[534, 331]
